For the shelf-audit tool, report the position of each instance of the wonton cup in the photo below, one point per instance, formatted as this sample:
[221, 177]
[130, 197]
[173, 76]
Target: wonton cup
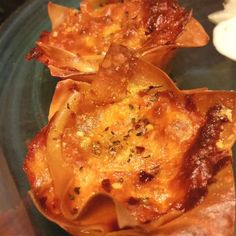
[79, 40]
[209, 200]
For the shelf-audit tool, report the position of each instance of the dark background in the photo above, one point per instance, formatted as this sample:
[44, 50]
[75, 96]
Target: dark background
[7, 7]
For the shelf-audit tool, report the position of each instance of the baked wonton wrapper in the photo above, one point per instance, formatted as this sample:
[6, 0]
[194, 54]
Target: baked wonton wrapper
[80, 39]
[131, 154]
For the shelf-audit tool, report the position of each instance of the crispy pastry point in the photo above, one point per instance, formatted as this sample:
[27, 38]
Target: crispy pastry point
[131, 154]
[79, 39]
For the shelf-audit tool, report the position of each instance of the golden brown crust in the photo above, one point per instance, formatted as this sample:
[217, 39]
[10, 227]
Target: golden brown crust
[133, 138]
[79, 40]
[213, 216]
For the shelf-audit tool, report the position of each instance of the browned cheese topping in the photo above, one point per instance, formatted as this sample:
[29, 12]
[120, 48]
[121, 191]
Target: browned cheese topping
[153, 151]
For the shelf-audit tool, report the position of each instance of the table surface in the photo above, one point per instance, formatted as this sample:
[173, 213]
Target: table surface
[7, 7]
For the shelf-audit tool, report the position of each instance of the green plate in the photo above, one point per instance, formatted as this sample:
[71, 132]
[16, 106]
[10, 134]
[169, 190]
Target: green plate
[26, 90]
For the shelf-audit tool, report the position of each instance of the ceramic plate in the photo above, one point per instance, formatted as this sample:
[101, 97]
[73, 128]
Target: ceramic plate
[26, 90]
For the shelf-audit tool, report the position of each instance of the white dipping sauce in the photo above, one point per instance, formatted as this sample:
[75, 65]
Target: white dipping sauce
[224, 34]
[224, 38]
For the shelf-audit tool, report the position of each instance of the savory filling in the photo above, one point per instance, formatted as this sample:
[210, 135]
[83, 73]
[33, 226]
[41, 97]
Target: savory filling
[129, 23]
[153, 151]
[84, 36]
